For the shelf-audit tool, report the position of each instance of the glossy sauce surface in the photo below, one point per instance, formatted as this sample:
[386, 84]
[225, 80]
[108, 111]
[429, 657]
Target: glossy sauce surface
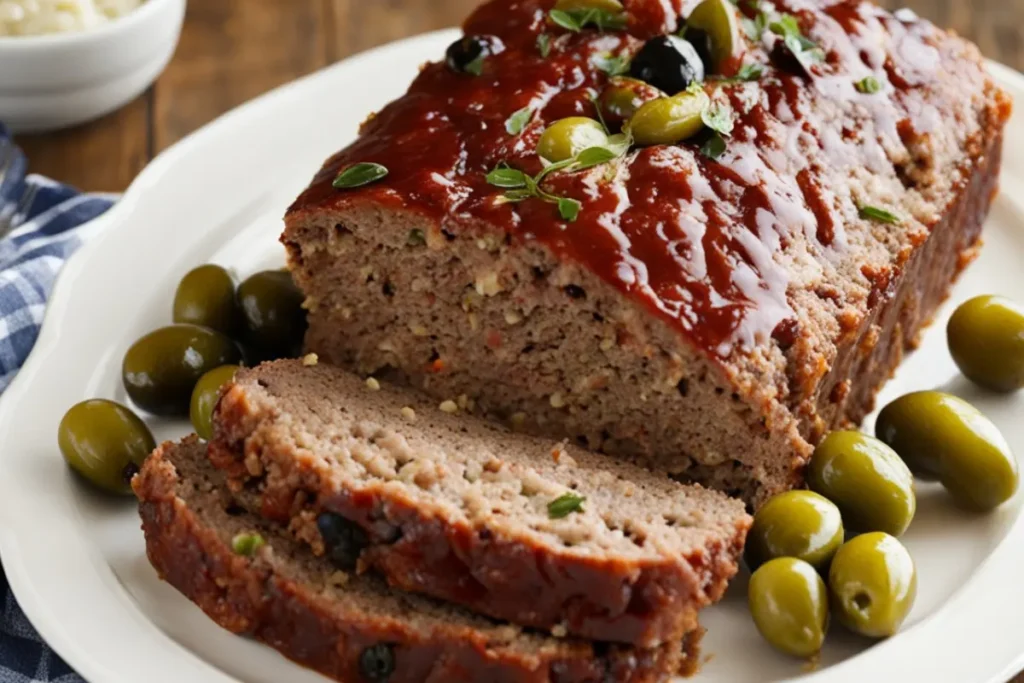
[708, 245]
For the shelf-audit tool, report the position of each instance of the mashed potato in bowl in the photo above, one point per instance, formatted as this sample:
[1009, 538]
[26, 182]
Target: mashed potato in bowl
[37, 17]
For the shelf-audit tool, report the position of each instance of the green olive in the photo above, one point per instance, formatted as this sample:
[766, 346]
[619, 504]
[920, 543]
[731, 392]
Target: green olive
[566, 138]
[623, 96]
[789, 603]
[161, 369]
[613, 6]
[800, 524]
[717, 19]
[944, 437]
[104, 442]
[867, 481]
[669, 120]
[872, 584]
[205, 397]
[275, 321]
[986, 340]
[206, 296]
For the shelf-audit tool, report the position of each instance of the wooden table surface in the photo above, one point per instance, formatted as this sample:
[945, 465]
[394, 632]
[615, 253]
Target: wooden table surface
[233, 50]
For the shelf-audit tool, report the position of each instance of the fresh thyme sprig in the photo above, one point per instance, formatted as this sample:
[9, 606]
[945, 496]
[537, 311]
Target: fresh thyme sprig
[519, 186]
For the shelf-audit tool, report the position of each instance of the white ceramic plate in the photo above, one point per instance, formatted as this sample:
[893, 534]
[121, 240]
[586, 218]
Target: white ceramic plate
[76, 560]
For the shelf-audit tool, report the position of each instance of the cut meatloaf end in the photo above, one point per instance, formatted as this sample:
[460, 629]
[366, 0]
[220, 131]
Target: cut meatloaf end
[352, 628]
[714, 317]
[517, 527]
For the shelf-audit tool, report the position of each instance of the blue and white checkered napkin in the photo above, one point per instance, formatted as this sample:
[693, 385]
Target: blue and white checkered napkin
[39, 229]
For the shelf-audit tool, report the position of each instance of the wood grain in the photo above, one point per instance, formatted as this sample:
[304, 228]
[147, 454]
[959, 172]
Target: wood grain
[233, 50]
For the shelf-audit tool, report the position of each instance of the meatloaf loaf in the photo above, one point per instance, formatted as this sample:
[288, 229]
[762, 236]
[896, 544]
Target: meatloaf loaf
[711, 312]
[252, 579]
[520, 528]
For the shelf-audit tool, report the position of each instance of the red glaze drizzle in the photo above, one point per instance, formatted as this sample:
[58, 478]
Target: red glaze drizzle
[707, 245]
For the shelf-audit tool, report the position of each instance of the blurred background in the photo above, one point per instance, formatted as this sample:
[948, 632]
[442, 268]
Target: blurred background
[233, 50]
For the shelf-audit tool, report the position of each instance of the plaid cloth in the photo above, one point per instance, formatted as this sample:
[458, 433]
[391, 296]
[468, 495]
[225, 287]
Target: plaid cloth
[39, 229]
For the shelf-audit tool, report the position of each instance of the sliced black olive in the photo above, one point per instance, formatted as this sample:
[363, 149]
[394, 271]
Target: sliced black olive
[701, 42]
[377, 662]
[466, 55]
[669, 63]
[343, 539]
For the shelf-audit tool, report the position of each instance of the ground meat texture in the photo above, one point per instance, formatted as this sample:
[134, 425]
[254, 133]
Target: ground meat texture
[356, 629]
[711, 317]
[521, 528]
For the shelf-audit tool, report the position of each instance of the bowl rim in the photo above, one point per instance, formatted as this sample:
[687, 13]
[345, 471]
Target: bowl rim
[98, 33]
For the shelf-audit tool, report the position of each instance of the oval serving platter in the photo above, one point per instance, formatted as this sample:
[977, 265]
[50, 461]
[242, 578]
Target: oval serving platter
[76, 561]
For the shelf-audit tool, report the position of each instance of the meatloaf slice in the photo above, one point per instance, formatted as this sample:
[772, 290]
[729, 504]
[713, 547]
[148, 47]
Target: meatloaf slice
[516, 527]
[352, 628]
[713, 314]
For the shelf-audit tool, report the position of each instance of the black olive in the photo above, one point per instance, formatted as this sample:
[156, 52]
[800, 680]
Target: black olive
[701, 42]
[669, 63]
[343, 539]
[466, 54]
[377, 662]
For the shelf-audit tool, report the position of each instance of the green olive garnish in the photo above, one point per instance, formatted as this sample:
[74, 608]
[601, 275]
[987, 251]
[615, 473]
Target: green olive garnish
[872, 584]
[623, 96]
[789, 604]
[161, 369]
[566, 138]
[800, 524]
[105, 442]
[944, 437]
[986, 339]
[272, 313]
[867, 481]
[717, 19]
[206, 296]
[669, 120]
[205, 397]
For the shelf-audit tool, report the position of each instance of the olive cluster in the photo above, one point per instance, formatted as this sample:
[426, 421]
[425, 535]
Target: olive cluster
[866, 484]
[179, 370]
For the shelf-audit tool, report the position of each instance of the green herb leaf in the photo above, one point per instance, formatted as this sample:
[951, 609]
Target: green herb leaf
[868, 85]
[476, 67]
[416, 238]
[515, 123]
[358, 175]
[802, 47]
[611, 64]
[714, 147]
[565, 504]
[506, 177]
[544, 45]
[878, 214]
[749, 72]
[594, 156]
[566, 20]
[247, 544]
[718, 118]
[568, 209]
[575, 20]
[785, 25]
[755, 27]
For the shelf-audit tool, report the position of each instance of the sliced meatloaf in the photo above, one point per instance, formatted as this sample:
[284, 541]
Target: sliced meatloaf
[712, 316]
[253, 579]
[517, 527]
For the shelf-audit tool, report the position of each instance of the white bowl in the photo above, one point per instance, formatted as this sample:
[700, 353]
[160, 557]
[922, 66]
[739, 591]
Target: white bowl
[59, 80]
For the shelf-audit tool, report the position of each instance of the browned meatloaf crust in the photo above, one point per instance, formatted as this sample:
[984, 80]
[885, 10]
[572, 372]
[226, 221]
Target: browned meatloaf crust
[330, 621]
[714, 317]
[457, 508]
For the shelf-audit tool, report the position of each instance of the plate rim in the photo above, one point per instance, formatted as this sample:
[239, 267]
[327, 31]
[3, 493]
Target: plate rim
[63, 643]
